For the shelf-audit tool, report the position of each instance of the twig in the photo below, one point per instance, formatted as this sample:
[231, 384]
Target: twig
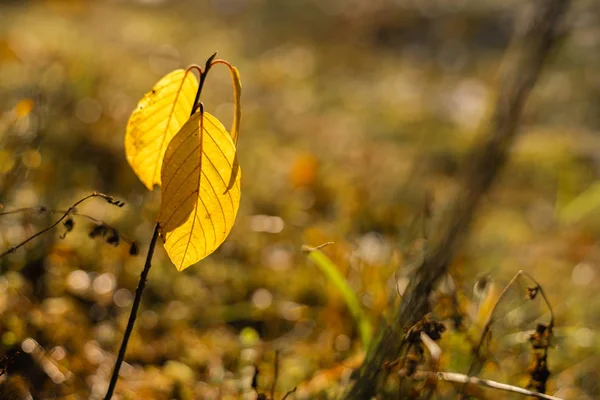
[530, 47]
[462, 378]
[288, 393]
[307, 249]
[541, 289]
[133, 314]
[42, 210]
[275, 374]
[110, 199]
[203, 74]
[490, 320]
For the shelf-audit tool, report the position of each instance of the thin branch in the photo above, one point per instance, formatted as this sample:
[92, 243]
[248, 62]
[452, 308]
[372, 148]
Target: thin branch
[541, 289]
[42, 210]
[531, 44]
[110, 199]
[203, 74]
[133, 314]
[275, 374]
[491, 320]
[288, 393]
[307, 249]
[237, 117]
[25, 209]
[462, 378]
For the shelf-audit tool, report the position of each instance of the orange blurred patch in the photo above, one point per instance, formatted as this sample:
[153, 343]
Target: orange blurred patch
[24, 108]
[304, 171]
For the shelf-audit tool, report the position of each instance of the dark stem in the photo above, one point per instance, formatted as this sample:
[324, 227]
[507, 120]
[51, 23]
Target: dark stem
[288, 393]
[275, 374]
[133, 314]
[203, 74]
[74, 213]
[110, 199]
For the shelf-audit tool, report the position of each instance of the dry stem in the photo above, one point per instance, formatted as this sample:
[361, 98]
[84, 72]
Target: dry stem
[462, 378]
[110, 199]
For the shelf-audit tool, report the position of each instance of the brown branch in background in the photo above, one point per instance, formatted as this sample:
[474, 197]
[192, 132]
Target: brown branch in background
[469, 380]
[71, 209]
[534, 38]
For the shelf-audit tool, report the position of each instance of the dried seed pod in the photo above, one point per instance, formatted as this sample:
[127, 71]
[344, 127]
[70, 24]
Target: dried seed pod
[115, 202]
[69, 224]
[98, 230]
[113, 237]
[540, 339]
[532, 291]
[134, 249]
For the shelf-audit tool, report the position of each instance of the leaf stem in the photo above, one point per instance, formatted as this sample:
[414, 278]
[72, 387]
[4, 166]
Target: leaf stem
[237, 93]
[203, 74]
[133, 314]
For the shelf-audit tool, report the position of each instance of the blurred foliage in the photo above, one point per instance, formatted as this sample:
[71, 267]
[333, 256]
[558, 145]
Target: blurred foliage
[357, 117]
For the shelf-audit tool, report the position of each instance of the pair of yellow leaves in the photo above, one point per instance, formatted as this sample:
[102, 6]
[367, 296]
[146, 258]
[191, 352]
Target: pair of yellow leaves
[193, 159]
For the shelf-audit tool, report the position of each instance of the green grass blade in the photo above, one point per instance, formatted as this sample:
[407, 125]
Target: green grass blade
[332, 273]
[581, 206]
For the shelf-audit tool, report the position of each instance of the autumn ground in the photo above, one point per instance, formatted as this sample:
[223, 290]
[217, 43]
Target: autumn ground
[356, 120]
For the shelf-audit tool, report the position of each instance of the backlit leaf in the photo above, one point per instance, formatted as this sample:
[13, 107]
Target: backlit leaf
[237, 117]
[160, 114]
[197, 211]
[237, 93]
[237, 114]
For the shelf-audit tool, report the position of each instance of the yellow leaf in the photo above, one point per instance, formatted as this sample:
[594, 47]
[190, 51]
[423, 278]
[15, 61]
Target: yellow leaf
[197, 211]
[487, 304]
[237, 93]
[237, 117]
[159, 115]
[236, 82]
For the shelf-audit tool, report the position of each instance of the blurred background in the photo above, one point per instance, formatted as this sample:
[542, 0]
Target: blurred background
[357, 116]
